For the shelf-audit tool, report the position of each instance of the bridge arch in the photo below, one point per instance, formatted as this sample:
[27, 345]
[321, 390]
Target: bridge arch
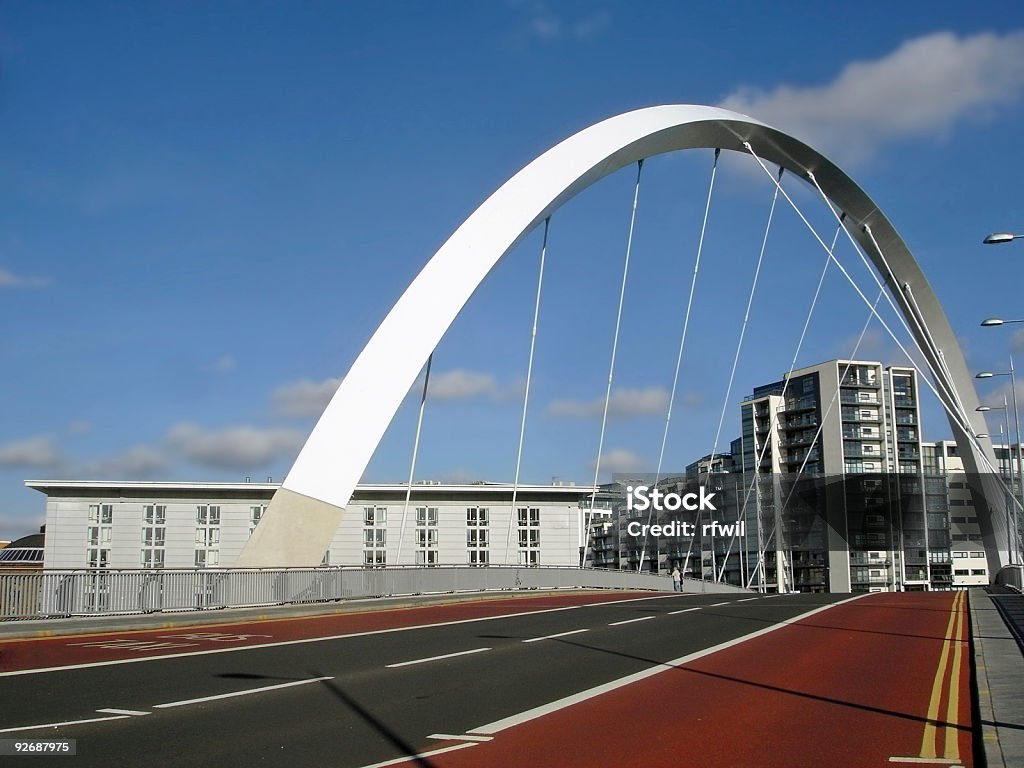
[303, 515]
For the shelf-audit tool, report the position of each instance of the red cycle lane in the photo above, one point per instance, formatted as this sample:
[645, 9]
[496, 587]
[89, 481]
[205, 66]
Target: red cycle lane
[882, 680]
[72, 650]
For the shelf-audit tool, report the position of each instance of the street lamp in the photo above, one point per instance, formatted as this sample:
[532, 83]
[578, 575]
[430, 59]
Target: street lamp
[992, 321]
[1016, 427]
[1001, 237]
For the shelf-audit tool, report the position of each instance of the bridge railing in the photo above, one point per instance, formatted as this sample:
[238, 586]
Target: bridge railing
[91, 592]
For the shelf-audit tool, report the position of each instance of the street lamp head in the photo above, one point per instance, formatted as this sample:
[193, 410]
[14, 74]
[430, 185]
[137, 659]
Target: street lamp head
[990, 321]
[983, 408]
[984, 375]
[999, 237]
[982, 436]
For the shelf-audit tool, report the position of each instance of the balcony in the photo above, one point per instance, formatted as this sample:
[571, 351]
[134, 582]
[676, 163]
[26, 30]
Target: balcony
[856, 381]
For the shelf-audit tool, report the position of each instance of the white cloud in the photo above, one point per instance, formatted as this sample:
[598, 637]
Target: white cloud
[241, 447]
[30, 453]
[620, 460]
[11, 280]
[1016, 342]
[222, 364]
[304, 398]
[545, 25]
[623, 404]
[137, 463]
[461, 384]
[922, 89]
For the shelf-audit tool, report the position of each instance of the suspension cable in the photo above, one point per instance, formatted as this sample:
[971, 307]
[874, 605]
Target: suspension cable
[961, 421]
[821, 425]
[785, 387]
[682, 344]
[611, 366]
[739, 347]
[940, 375]
[412, 465]
[526, 394]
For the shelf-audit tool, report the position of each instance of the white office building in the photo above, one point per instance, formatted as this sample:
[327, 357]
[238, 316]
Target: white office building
[92, 524]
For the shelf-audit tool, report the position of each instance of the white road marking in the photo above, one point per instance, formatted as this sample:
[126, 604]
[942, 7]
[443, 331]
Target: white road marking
[927, 761]
[463, 737]
[552, 637]
[435, 658]
[246, 692]
[59, 725]
[121, 712]
[629, 621]
[545, 709]
[747, 599]
[631, 600]
[89, 665]
[715, 605]
[420, 755]
[685, 610]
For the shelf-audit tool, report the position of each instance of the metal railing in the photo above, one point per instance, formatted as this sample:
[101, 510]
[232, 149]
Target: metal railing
[90, 592]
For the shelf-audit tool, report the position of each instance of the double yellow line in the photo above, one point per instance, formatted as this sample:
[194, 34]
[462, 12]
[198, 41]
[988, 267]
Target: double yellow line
[950, 668]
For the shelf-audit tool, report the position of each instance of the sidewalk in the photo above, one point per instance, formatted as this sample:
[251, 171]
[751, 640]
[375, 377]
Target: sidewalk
[999, 666]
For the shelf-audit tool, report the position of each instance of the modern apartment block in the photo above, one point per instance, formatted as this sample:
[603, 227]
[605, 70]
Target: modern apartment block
[840, 483]
[95, 524]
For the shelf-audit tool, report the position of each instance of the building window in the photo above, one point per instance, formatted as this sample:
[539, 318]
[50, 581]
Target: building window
[477, 516]
[426, 535]
[426, 516]
[375, 540]
[477, 535]
[426, 557]
[529, 516]
[256, 512]
[479, 557]
[528, 519]
[207, 558]
[101, 514]
[154, 535]
[207, 535]
[100, 533]
[375, 515]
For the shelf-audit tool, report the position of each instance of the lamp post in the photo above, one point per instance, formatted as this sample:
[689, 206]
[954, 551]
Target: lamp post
[1001, 237]
[993, 321]
[1016, 427]
[1006, 422]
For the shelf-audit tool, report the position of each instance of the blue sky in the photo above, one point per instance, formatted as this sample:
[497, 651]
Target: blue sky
[208, 208]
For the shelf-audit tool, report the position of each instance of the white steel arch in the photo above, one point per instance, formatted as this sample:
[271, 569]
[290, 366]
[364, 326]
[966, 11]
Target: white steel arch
[303, 515]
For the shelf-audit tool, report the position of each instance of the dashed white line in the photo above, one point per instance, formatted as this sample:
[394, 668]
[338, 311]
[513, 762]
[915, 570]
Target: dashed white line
[685, 610]
[420, 755]
[715, 605]
[60, 725]
[747, 599]
[552, 637]
[121, 712]
[246, 692]
[462, 737]
[436, 658]
[629, 621]
[163, 656]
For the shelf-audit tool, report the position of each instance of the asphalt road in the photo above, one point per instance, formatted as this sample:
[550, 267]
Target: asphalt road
[317, 692]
